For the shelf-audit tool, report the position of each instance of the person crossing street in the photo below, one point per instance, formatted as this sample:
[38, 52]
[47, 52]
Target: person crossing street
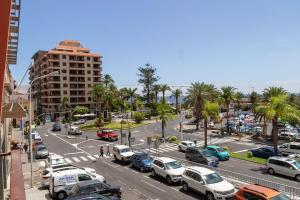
[101, 152]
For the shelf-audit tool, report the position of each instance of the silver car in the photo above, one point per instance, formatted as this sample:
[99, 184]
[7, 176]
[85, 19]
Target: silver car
[41, 151]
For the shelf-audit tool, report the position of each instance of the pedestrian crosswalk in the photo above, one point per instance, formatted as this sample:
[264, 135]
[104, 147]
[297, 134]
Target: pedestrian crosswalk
[86, 158]
[165, 148]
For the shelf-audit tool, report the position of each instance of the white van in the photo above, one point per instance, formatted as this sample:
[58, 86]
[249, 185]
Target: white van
[61, 182]
[74, 130]
[289, 148]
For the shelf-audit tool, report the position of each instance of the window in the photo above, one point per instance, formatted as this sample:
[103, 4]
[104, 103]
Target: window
[276, 162]
[89, 99]
[88, 65]
[64, 64]
[83, 177]
[65, 78]
[250, 196]
[297, 147]
[65, 92]
[89, 72]
[89, 78]
[88, 58]
[65, 85]
[89, 85]
[64, 57]
[64, 71]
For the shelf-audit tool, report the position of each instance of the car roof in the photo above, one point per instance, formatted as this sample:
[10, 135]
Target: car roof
[165, 159]
[265, 191]
[214, 147]
[139, 153]
[294, 143]
[187, 141]
[90, 182]
[200, 170]
[285, 159]
[68, 172]
[121, 146]
[267, 147]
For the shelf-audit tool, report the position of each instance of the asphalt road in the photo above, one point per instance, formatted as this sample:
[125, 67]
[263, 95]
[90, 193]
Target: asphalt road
[83, 152]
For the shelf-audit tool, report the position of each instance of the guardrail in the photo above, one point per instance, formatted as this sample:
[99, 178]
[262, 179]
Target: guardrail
[292, 192]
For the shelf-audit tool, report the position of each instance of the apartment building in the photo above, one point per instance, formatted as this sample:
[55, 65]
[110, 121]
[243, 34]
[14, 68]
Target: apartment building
[79, 70]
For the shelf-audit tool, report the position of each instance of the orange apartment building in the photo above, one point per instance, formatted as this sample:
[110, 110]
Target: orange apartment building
[79, 70]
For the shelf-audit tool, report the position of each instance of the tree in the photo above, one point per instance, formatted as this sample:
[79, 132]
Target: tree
[147, 77]
[156, 90]
[98, 95]
[227, 95]
[107, 79]
[238, 99]
[197, 94]
[109, 95]
[176, 94]
[164, 115]
[131, 94]
[278, 108]
[64, 106]
[138, 117]
[211, 112]
[80, 110]
[164, 88]
[273, 91]
[254, 98]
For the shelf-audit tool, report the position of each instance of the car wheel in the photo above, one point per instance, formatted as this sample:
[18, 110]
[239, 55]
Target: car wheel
[123, 161]
[271, 171]
[115, 157]
[153, 173]
[185, 186]
[61, 195]
[130, 165]
[210, 196]
[298, 177]
[169, 180]
[179, 148]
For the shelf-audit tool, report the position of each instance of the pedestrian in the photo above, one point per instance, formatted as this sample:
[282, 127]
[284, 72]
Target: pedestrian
[108, 151]
[21, 147]
[101, 152]
[25, 147]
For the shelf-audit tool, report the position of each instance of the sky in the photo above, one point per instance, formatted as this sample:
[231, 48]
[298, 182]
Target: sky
[247, 44]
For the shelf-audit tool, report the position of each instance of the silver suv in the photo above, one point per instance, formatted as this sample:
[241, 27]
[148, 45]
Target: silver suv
[284, 166]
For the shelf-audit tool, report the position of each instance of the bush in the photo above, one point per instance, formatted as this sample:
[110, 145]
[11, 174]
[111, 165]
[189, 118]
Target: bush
[64, 121]
[138, 117]
[249, 154]
[37, 121]
[226, 149]
[172, 138]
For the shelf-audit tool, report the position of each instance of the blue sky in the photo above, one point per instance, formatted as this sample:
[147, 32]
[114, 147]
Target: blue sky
[241, 43]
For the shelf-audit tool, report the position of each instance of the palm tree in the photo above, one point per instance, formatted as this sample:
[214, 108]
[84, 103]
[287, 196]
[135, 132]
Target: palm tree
[64, 106]
[197, 94]
[123, 98]
[211, 112]
[109, 96]
[98, 95]
[176, 94]
[107, 79]
[227, 95]
[164, 115]
[131, 94]
[164, 88]
[238, 100]
[273, 91]
[276, 108]
[254, 98]
[156, 89]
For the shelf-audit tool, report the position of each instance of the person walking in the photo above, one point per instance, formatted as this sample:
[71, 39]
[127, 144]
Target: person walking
[108, 151]
[101, 152]
[25, 147]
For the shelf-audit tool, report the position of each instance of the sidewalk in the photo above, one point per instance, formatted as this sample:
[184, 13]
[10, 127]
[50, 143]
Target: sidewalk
[31, 193]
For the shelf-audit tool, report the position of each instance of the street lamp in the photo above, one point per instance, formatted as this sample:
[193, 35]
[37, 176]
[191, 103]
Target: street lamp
[30, 137]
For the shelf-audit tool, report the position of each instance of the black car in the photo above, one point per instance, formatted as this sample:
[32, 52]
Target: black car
[202, 156]
[93, 196]
[96, 186]
[56, 127]
[263, 152]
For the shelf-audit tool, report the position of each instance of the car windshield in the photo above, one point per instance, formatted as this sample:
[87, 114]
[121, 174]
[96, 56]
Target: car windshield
[42, 148]
[280, 197]
[173, 165]
[58, 161]
[212, 178]
[296, 164]
[207, 153]
[125, 150]
[144, 157]
[219, 149]
[190, 144]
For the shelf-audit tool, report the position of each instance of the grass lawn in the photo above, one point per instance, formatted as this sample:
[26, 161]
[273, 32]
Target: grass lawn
[113, 125]
[244, 157]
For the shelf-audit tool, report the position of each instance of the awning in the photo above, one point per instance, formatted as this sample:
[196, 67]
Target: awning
[13, 110]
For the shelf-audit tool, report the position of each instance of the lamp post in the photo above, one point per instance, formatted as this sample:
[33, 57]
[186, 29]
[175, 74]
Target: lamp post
[30, 121]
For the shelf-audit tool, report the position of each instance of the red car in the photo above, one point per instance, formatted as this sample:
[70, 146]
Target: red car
[108, 134]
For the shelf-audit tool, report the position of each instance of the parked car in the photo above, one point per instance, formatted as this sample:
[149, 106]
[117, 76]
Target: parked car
[36, 137]
[122, 153]
[55, 160]
[287, 135]
[255, 191]
[263, 152]
[41, 151]
[74, 130]
[289, 148]
[183, 145]
[284, 166]
[141, 160]
[92, 196]
[202, 156]
[96, 186]
[62, 181]
[80, 121]
[207, 182]
[218, 152]
[56, 127]
[295, 157]
[211, 124]
[167, 168]
[108, 134]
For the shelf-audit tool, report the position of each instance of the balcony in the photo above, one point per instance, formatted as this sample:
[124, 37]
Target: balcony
[96, 66]
[97, 79]
[77, 79]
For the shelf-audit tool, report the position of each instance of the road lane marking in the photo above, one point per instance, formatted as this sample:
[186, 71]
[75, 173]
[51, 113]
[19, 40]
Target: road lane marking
[91, 157]
[75, 159]
[153, 186]
[73, 153]
[83, 158]
[68, 160]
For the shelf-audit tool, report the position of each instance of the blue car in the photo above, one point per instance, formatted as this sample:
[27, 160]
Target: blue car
[218, 152]
[263, 152]
[141, 161]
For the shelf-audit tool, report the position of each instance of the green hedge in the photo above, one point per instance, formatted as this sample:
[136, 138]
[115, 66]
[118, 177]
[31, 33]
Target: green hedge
[246, 157]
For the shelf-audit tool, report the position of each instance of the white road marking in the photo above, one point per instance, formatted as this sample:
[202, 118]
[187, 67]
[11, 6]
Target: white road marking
[42, 163]
[153, 186]
[73, 153]
[75, 159]
[68, 160]
[97, 156]
[137, 144]
[46, 135]
[91, 157]
[135, 131]
[141, 140]
[83, 158]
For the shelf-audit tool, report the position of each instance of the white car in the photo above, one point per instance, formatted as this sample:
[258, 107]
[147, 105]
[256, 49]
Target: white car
[55, 160]
[74, 130]
[167, 168]
[284, 166]
[183, 145]
[211, 124]
[295, 157]
[207, 182]
[289, 148]
[122, 153]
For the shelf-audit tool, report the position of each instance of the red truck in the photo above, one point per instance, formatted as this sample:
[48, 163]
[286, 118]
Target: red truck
[107, 134]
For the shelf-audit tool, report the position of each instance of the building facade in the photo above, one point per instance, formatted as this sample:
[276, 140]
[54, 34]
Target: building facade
[79, 70]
